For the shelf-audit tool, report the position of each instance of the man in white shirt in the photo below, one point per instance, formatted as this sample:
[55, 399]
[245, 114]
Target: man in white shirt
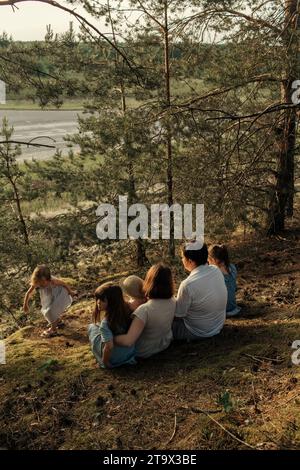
[202, 296]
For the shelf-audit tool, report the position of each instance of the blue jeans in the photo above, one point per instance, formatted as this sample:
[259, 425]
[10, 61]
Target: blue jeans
[95, 341]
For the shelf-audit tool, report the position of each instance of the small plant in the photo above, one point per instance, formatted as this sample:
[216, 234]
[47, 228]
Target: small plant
[226, 401]
[51, 364]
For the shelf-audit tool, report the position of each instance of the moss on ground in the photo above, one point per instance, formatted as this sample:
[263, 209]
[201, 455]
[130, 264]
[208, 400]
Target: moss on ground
[235, 391]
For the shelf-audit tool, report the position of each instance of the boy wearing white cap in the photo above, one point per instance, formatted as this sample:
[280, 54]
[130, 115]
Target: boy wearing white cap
[202, 296]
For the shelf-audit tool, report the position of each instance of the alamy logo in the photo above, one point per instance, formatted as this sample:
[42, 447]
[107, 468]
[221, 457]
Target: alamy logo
[2, 92]
[296, 354]
[2, 353]
[154, 222]
[296, 94]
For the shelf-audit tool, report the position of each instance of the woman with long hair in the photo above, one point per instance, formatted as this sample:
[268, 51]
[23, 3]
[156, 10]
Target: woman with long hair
[151, 328]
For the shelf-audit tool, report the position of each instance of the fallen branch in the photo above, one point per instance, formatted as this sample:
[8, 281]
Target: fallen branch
[263, 358]
[208, 414]
[199, 410]
[174, 431]
[289, 399]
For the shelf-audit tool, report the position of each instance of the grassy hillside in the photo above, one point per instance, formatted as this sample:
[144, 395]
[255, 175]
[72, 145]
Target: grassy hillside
[236, 391]
[29, 105]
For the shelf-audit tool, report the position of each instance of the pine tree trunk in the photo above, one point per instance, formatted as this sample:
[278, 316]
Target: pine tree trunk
[169, 150]
[282, 199]
[20, 213]
[141, 258]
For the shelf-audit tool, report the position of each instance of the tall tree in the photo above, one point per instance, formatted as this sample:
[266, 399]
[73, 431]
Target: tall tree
[263, 64]
[283, 197]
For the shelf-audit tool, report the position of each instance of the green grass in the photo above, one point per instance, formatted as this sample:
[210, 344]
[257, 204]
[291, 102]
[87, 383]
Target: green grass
[51, 202]
[48, 205]
[134, 407]
[178, 87]
[27, 105]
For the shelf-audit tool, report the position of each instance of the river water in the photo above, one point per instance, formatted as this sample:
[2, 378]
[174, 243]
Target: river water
[45, 127]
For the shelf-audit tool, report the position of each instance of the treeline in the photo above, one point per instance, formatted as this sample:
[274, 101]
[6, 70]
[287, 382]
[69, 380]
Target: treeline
[38, 59]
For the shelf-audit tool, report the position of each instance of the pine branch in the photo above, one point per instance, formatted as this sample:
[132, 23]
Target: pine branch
[260, 22]
[26, 143]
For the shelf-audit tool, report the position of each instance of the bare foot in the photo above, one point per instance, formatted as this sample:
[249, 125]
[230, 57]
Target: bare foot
[50, 333]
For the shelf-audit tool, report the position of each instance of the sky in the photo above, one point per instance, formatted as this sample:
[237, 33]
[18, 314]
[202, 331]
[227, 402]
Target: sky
[30, 20]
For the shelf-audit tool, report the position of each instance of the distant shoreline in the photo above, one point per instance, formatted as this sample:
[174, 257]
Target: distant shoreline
[25, 108]
[40, 109]
[23, 105]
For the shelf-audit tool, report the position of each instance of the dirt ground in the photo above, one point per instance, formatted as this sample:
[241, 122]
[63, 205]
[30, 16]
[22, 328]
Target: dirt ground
[236, 391]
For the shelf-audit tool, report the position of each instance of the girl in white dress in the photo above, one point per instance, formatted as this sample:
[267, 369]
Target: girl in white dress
[55, 297]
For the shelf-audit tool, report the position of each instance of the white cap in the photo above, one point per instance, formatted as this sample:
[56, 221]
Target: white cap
[196, 244]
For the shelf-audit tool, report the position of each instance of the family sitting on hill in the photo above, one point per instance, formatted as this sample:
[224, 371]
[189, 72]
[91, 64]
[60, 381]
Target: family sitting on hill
[137, 319]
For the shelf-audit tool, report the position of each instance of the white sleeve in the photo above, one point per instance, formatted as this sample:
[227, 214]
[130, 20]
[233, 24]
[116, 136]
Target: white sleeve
[183, 301]
[142, 313]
